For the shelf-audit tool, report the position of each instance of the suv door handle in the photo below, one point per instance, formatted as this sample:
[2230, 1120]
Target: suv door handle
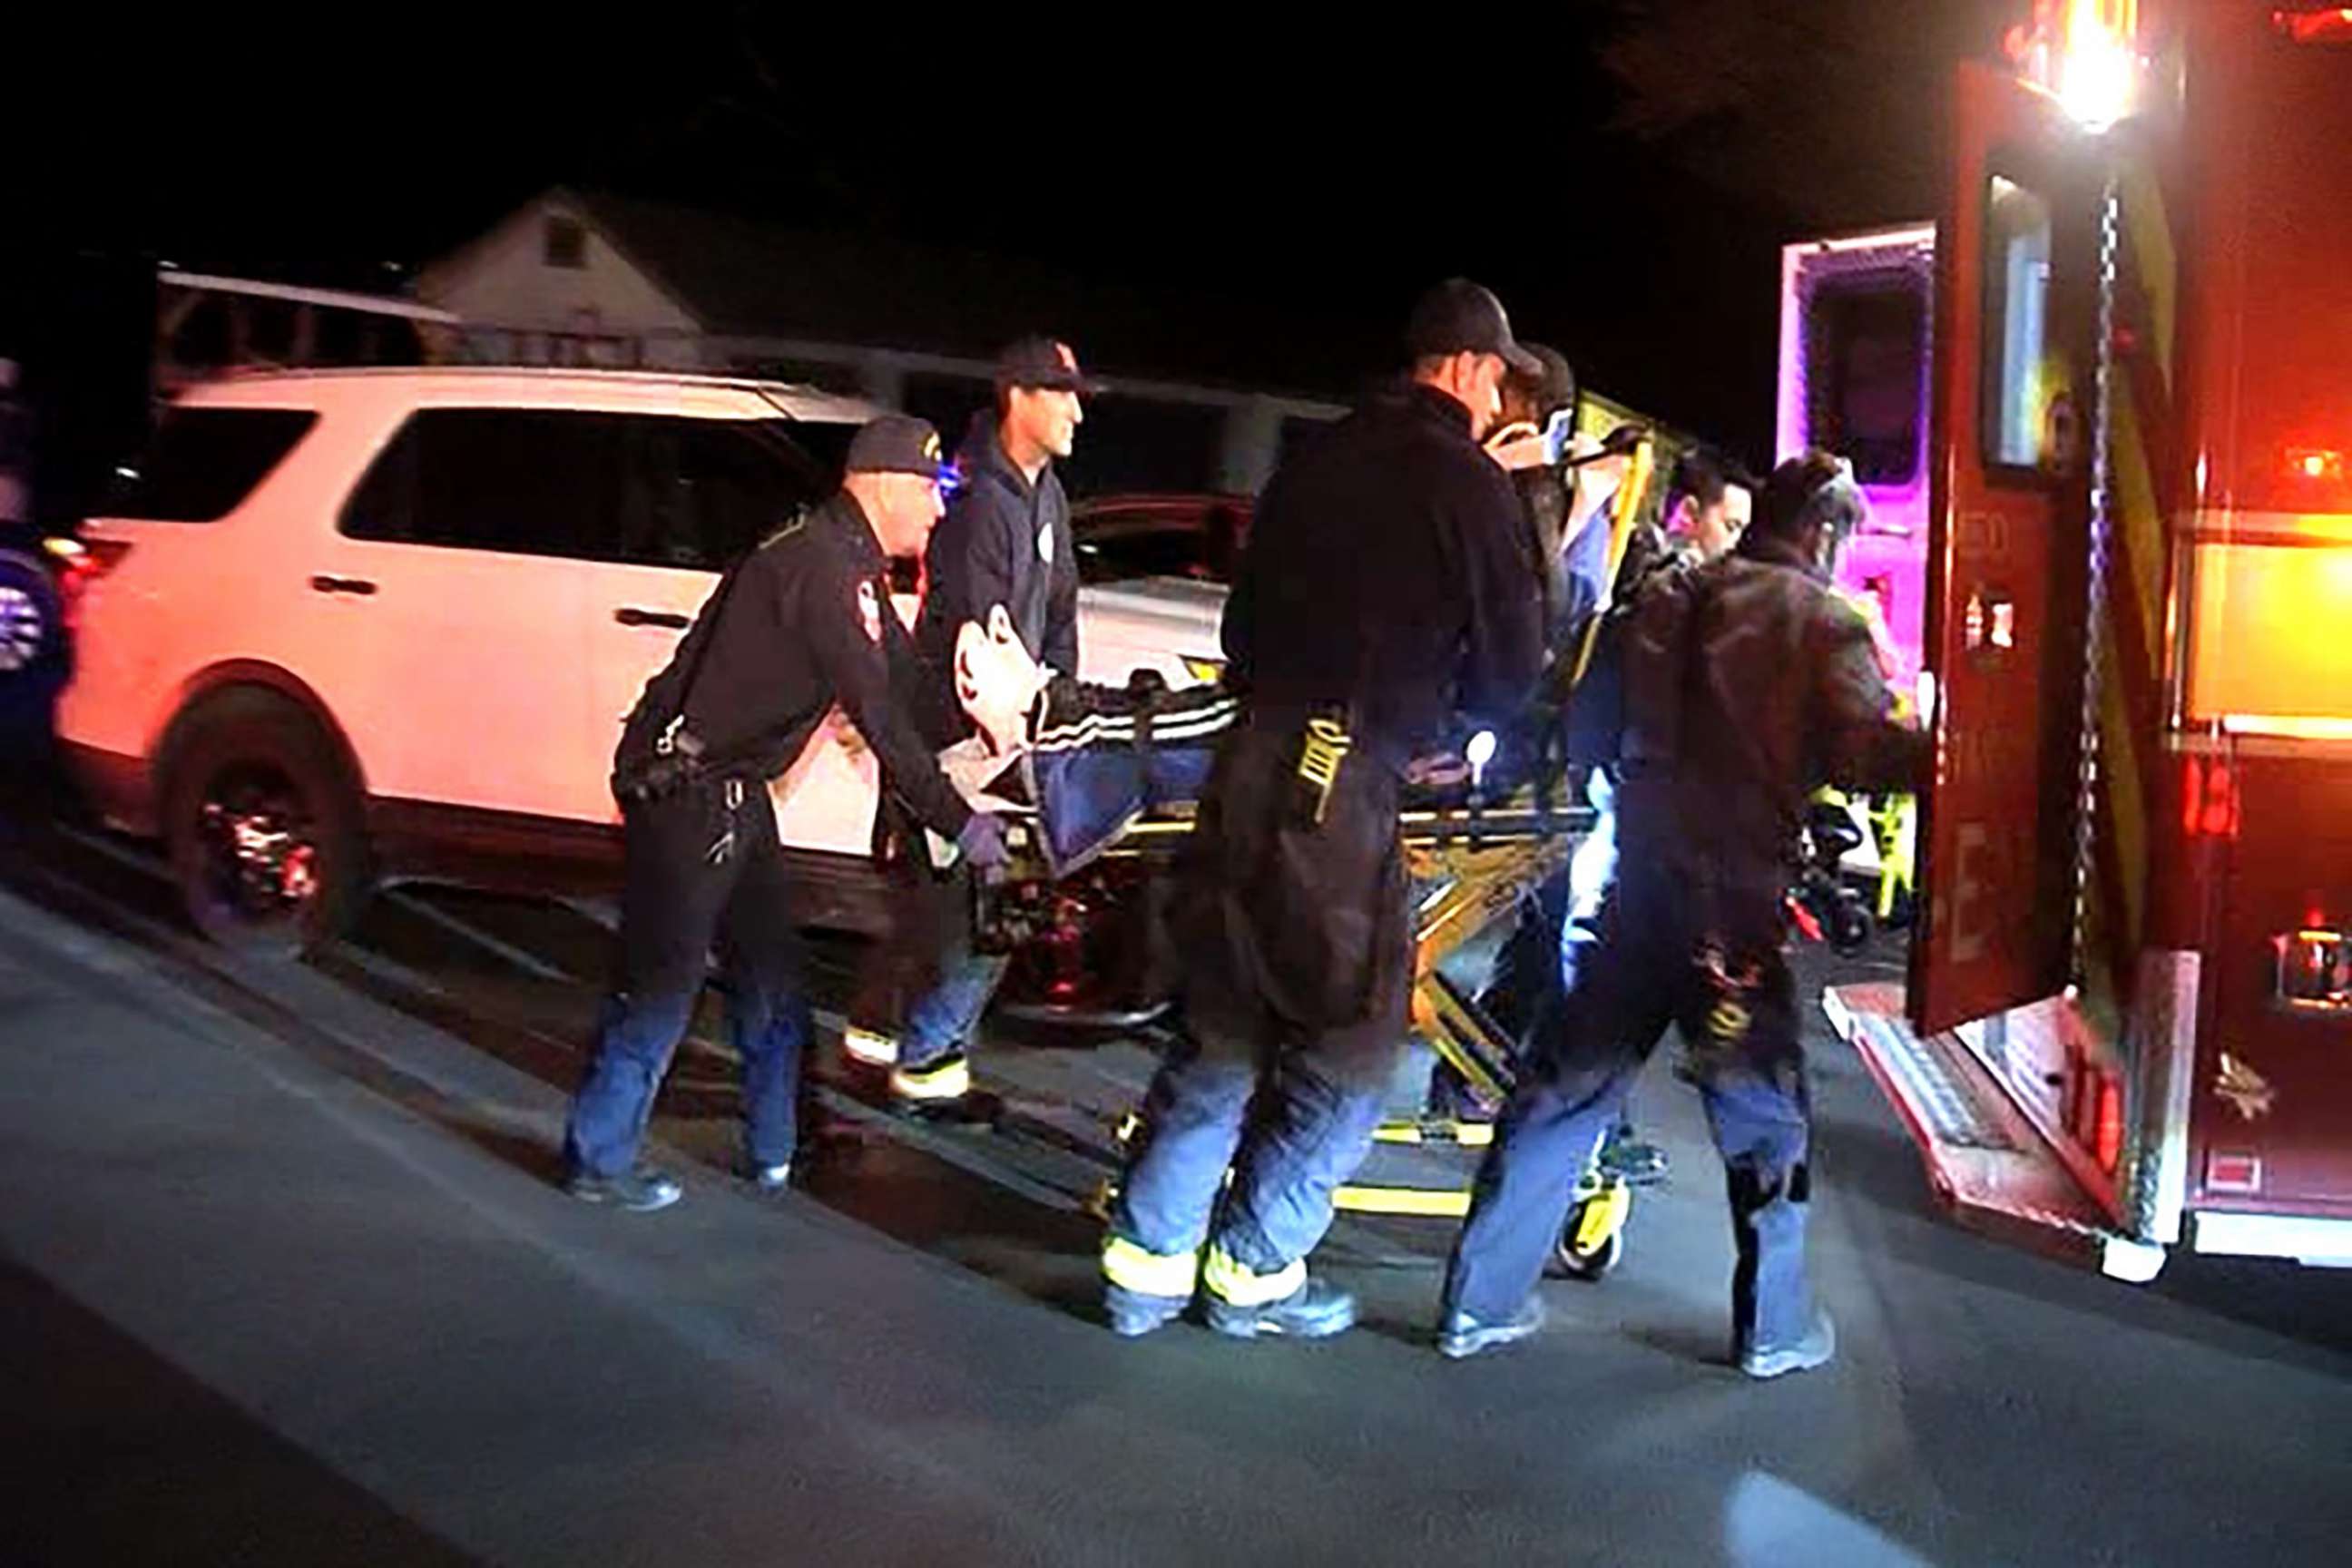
[326, 584]
[630, 616]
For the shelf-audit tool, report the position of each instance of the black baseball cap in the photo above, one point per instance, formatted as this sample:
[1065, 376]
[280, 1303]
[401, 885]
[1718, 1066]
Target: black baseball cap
[897, 443]
[1041, 361]
[1460, 317]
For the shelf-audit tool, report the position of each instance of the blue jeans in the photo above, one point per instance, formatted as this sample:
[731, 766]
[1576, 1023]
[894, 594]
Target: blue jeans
[927, 955]
[702, 867]
[1314, 1115]
[1299, 961]
[942, 1020]
[1641, 976]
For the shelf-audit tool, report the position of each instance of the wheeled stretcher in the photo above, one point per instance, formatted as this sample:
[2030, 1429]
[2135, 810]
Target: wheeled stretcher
[1110, 779]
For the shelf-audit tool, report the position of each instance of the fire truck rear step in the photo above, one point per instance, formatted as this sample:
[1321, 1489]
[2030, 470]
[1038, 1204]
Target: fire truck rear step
[1989, 1167]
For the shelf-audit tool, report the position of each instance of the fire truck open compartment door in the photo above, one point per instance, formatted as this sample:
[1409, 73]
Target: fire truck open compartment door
[2017, 303]
[2008, 556]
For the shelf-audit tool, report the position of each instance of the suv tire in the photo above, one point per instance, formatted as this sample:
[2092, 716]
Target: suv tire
[264, 826]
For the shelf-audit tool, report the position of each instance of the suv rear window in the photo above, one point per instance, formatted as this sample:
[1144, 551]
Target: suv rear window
[703, 492]
[203, 461]
[647, 489]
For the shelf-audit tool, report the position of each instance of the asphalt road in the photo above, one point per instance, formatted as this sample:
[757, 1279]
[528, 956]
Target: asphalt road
[290, 1284]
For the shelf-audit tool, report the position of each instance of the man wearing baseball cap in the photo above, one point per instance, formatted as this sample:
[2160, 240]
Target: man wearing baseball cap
[1005, 540]
[799, 626]
[1385, 592]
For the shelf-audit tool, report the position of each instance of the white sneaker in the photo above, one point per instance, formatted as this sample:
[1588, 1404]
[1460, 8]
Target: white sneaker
[865, 1045]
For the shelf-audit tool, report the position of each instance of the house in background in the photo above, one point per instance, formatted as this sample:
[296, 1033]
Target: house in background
[590, 278]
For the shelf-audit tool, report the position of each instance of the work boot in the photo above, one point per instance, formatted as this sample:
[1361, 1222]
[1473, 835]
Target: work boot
[769, 1180]
[1819, 1344]
[876, 1050]
[1467, 1335]
[641, 1191]
[939, 1084]
[1314, 1311]
[1135, 1313]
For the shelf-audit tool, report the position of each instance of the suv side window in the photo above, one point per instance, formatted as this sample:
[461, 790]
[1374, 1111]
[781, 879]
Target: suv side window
[700, 493]
[204, 461]
[521, 482]
[1124, 547]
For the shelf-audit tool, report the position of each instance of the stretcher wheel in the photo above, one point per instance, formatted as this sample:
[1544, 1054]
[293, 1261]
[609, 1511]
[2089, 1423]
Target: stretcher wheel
[1850, 924]
[1593, 1240]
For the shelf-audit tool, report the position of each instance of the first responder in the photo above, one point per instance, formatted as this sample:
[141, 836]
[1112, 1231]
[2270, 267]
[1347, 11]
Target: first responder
[1384, 589]
[1747, 683]
[1705, 510]
[1005, 539]
[1543, 955]
[802, 624]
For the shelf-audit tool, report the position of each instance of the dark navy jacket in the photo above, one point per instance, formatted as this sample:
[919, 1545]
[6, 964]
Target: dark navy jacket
[1003, 542]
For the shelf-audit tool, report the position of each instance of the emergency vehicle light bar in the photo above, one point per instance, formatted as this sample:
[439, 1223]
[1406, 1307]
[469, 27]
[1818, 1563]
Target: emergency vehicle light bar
[2082, 52]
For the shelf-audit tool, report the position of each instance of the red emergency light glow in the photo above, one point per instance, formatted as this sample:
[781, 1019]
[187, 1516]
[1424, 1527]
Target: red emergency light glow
[2325, 24]
[2314, 463]
[2109, 1138]
[2209, 799]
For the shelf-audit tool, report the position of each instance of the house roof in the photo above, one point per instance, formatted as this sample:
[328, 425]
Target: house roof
[742, 275]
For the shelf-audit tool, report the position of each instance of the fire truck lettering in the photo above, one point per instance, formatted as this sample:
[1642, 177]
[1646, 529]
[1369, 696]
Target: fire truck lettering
[1981, 538]
[1970, 844]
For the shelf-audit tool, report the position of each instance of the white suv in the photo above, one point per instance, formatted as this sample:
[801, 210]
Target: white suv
[349, 626]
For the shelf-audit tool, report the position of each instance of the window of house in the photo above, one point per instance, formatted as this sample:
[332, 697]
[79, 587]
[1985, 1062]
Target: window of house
[566, 243]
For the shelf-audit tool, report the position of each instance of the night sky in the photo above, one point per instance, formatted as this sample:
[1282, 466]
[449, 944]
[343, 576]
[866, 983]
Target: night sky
[1621, 173]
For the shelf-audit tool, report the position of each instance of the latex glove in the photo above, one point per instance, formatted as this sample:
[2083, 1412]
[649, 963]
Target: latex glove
[982, 842]
[1520, 446]
[1559, 436]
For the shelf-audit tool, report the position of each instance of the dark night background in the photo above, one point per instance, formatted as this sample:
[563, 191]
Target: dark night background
[1261, 205]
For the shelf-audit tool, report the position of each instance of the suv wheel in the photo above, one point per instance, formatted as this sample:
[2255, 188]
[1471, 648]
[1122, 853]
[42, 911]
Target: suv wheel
[264, 827]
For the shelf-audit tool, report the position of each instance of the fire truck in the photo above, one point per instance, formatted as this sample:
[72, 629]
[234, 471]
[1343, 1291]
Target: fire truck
[2128, 1020]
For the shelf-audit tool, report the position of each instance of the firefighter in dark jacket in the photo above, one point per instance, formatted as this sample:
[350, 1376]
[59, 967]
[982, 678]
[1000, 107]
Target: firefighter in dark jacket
[800, 625]
[1746, 684]
[1005, 540]
[1385, 589]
